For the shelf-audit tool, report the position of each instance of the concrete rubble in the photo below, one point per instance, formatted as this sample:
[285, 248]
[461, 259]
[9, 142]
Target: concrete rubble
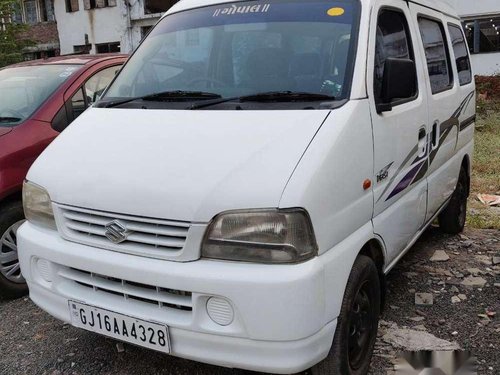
[424, 299]
[440, 256]
[474, 281]
[413, 340]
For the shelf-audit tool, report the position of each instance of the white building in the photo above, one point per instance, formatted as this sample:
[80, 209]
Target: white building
[482, 25]
[101, 26]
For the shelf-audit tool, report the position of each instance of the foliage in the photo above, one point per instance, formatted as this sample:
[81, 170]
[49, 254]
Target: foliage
[488, 94]
[11, 46]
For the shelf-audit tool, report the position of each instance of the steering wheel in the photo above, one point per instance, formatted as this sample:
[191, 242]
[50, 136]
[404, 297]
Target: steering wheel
[206, 79]
[11, 113]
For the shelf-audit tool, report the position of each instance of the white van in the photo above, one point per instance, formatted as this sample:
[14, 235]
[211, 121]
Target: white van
[255, 169]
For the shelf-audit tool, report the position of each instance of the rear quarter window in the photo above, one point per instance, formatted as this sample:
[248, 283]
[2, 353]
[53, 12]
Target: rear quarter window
[462, 60]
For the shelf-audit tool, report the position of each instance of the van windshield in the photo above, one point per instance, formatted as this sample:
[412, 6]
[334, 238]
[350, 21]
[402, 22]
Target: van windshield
[239, 49]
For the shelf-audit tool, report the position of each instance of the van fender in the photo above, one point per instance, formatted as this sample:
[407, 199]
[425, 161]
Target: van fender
[339, 260]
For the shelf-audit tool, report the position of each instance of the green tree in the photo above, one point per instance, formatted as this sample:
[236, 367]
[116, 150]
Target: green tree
[11, 46]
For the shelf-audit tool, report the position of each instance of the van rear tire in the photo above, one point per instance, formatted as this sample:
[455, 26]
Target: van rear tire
[357, 324]
[452, 218]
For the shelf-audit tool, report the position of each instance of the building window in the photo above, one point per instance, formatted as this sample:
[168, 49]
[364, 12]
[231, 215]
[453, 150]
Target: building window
[83, 49]
[30, 56]
[47, 11]
[483, 34]
[72, 6]
[89, 4]
[157, 6]
[17, 13]
[40, 55]
[30, 12]
[145, 30]
[94, 4]
[108, 47]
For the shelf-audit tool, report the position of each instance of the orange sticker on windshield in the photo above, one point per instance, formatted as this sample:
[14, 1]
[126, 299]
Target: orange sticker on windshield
[333, 12]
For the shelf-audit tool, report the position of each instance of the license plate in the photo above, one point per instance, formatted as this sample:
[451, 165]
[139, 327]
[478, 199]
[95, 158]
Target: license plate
[122, 327]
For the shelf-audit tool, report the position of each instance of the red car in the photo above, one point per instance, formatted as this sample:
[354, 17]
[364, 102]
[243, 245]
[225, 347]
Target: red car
[39, 99]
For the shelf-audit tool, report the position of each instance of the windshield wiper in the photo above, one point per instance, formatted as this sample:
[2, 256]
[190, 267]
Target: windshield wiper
[269, 96]
[286, 96]
[163, 96]
[10, 119]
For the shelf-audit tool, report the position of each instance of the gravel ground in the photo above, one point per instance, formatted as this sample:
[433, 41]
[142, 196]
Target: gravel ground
[32, 342]
[472, 323]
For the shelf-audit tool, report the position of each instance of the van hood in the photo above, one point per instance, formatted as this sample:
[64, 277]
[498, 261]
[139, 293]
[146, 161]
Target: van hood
[175, 164]
[4, 131]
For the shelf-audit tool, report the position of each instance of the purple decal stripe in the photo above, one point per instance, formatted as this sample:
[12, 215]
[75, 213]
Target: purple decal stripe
[406, 181]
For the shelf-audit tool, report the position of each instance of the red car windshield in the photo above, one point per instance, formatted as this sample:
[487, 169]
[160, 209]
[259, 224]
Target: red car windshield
[24, 89]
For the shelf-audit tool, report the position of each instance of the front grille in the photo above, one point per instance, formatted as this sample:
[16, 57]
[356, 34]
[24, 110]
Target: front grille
[129, 290]
[147, 237]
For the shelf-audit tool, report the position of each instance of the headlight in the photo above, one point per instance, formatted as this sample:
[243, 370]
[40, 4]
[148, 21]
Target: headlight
[37, 205]
[262, 236]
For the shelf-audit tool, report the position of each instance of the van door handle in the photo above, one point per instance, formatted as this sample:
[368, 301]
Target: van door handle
[435, 135]
[422, 141]
[421, 133]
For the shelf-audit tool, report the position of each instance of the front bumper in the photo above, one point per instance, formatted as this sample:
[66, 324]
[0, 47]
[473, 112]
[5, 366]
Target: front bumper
[280, 324]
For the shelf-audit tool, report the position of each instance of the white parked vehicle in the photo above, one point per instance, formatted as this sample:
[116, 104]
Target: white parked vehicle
[251, 174]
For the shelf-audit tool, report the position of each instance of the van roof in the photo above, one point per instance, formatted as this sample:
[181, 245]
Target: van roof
[439, 5]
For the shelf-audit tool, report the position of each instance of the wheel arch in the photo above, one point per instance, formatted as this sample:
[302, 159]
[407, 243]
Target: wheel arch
[374, 250]
[12, 197]
[338, 263]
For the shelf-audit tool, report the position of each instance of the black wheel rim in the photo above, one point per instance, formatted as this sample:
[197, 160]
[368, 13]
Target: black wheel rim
[360, 327]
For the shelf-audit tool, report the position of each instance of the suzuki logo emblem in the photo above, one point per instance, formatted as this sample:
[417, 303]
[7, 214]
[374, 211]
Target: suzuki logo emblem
[116, 231]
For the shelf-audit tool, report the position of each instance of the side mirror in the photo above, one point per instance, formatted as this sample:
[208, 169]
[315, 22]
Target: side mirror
[60, 120]
[399, 82]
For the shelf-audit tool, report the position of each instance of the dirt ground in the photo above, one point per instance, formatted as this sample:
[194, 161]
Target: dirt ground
[32, 342]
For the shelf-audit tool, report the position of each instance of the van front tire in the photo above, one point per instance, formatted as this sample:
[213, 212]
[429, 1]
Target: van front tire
[357, 323]
[452, 218]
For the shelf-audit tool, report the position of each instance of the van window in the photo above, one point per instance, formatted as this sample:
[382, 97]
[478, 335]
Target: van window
[246, 48]
[461, 55]
[393, 41]
[436, 53]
